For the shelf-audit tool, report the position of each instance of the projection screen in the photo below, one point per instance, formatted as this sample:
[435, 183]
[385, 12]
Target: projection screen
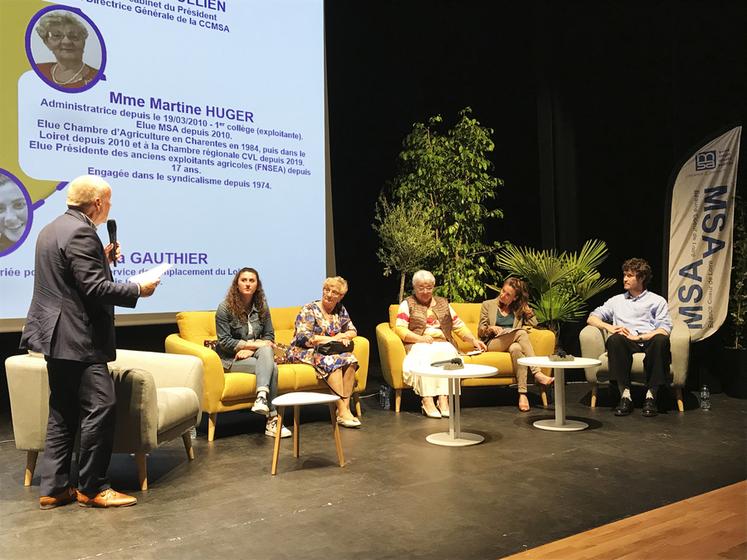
[207, 117]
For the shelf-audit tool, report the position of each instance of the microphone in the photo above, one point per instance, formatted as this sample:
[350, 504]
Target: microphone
[457, 361]
[111, 227]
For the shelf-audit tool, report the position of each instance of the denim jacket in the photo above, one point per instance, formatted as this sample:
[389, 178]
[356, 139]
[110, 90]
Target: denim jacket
[231, 330]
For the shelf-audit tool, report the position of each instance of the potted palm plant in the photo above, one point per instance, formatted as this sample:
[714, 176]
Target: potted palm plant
[560, 284]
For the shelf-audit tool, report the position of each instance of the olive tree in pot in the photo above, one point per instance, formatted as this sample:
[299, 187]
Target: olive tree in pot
[407, 241]
[734, 358]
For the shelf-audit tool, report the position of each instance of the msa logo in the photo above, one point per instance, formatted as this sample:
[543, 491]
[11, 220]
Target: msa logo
[705, 160]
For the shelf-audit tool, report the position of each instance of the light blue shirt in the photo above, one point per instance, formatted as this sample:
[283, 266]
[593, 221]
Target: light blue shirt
[639, 315]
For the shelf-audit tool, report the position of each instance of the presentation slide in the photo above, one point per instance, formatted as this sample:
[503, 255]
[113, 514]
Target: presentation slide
[205, 116]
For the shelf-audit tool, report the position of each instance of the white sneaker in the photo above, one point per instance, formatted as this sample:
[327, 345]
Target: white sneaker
[271, 428]
[260, 406]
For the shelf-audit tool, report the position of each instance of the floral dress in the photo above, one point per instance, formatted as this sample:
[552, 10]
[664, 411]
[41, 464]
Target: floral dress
[312, 322]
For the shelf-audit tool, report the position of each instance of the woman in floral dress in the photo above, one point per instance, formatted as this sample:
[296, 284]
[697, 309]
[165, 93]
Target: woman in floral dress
[323, 321]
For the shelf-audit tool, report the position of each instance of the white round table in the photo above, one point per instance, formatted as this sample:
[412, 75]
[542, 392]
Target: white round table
[560, 424]
[296, 400]
[455, 437]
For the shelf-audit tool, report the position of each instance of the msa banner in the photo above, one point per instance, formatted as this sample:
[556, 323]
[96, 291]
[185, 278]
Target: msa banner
[700, 235]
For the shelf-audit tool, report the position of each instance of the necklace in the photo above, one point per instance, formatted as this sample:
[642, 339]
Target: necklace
[326, 314]
[71, 80]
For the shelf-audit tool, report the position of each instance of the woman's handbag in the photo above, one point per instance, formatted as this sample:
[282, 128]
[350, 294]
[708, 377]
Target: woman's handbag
[334, 347]
[280, 349]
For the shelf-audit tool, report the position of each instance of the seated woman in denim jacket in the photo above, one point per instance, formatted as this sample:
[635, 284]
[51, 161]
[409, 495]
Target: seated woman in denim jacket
[245, 341]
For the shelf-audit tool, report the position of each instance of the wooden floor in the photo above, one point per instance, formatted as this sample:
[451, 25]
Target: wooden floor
[712, 525]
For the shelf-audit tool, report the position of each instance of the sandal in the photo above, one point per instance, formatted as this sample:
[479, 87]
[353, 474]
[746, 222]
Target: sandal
[523, 403]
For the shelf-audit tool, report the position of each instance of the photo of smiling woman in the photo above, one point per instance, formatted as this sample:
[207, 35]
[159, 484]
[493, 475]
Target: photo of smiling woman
[14, 214]
[65, 36]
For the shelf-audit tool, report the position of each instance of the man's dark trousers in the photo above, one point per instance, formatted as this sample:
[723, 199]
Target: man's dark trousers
[80, 395]
[620, 352]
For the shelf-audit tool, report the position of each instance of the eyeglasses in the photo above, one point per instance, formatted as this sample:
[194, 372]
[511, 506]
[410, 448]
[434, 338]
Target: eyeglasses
[72, 35]
[331, 291]
[424, 287]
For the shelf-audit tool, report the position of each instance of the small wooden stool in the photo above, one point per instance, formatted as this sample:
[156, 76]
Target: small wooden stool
[296, 400]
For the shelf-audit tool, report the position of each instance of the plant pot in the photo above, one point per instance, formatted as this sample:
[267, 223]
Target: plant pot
[734, 364]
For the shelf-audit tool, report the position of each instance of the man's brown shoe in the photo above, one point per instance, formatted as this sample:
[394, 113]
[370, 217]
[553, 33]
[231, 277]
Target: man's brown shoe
[105, 499]
[63, 498]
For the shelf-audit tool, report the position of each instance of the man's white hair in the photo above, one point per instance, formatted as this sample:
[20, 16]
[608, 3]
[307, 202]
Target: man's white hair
[423, 277]
[84, 190]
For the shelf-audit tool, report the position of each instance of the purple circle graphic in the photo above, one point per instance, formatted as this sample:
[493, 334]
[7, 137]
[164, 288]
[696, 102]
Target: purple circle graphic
[9, 183]
[46, 78]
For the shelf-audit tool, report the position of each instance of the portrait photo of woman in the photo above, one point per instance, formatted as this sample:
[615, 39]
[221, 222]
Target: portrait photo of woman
[14, 214]
[75, 51]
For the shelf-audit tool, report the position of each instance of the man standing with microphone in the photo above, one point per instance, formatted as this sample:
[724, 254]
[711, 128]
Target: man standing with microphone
[71, 322]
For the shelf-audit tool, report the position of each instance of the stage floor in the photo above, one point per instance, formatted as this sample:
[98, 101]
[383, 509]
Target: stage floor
[710, 525]
[397, 496]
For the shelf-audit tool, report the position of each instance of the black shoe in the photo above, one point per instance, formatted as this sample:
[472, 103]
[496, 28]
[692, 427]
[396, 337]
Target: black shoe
[649, 407]
[624, 407]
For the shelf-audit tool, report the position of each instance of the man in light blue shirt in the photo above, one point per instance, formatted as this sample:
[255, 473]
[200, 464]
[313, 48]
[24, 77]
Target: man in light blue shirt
[637, 321]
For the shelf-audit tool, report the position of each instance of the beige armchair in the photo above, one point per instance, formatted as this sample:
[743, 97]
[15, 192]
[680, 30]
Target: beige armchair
[157, 401]
[593, 346]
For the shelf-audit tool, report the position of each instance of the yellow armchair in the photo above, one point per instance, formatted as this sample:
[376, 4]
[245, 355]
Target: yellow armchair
[392, 353]
[223, 392]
